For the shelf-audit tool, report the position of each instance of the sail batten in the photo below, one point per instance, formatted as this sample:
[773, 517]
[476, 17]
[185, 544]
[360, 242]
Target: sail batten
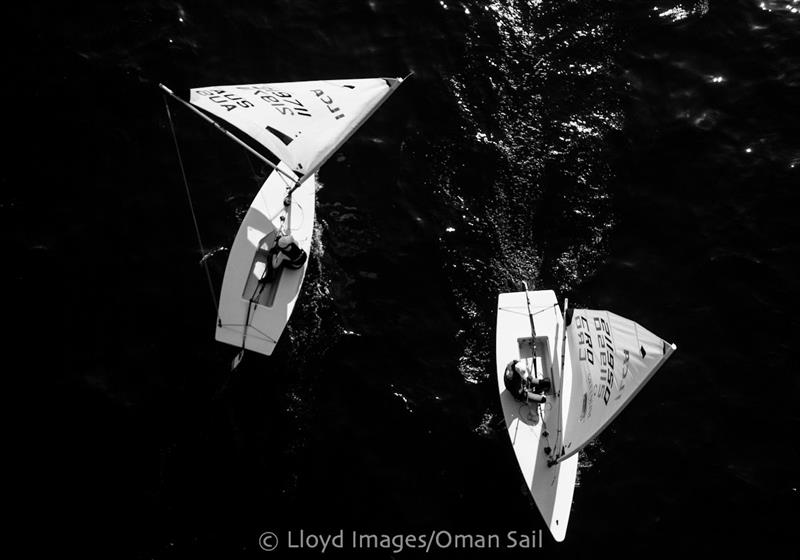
[301, 123]
[613, 358]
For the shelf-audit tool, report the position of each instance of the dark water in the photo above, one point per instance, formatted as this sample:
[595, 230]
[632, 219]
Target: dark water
[636, 156]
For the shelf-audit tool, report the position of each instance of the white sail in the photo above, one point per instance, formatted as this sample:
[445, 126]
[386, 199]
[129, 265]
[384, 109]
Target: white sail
[612, 359]
[302, 123]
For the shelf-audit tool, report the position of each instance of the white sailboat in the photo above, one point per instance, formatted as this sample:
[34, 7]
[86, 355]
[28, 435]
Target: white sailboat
[595, 367]
[302, 124]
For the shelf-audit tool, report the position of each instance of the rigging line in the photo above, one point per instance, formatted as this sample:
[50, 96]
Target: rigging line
[285, 210]
[264, 336]
[525, 314]
[562, 374]
[288, 183]
[253, 300]
[256, 295]
[252, 169]
[191, 208]
[533, 327]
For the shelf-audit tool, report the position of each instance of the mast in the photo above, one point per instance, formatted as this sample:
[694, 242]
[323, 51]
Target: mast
[560, 432]
[533, 328]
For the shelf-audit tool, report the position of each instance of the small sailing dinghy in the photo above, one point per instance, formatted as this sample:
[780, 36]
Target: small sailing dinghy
[302, 124]
[595, 361]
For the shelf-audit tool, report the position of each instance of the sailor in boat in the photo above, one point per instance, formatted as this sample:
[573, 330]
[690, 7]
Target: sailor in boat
[523, 385]
[288, 253]
[283, 252]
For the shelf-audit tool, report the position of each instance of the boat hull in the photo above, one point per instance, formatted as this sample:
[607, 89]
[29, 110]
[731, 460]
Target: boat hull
[253, 314]
[551, 487]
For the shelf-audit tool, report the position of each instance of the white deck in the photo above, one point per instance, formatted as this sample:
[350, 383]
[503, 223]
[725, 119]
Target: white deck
[267, 318]
[551, 487]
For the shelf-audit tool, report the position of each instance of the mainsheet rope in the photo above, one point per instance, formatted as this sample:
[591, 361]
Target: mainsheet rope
[191, 208]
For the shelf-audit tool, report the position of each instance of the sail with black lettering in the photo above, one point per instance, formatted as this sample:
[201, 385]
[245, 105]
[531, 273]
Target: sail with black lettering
[612, 358]
[302, 123]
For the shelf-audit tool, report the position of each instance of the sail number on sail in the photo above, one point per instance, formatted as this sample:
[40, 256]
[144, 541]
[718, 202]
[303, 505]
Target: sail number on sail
[604, 349]
[282, 101]
[229, 101]
[328, 102]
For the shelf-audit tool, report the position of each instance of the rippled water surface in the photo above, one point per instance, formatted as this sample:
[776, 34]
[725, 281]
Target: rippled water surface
[636, 156]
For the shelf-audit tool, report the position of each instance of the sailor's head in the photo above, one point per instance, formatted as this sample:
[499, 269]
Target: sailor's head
[285, 240]
[521, 369]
